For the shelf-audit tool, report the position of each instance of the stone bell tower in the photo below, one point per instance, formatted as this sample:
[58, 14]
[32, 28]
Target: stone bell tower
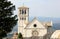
[23, 18]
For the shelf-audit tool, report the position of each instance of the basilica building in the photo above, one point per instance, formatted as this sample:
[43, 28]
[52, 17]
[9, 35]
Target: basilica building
[35, 28]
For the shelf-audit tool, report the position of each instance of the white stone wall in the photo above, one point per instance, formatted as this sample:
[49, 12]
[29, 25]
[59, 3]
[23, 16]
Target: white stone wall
[22, 23]
[41, 32]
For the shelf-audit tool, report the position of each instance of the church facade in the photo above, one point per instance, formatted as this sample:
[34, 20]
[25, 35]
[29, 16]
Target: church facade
[35, 28]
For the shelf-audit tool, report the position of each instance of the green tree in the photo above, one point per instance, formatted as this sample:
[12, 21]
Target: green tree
[7, 18]
[20, 36]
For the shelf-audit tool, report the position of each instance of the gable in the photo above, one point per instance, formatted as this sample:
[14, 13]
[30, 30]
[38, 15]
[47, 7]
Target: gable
[35, 24]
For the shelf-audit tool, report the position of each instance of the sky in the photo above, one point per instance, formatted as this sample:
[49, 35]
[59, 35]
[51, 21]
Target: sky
[43, 8]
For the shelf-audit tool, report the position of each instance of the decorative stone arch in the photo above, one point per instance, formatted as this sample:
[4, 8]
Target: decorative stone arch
[35, 33]
[59, 36]
[56, 35]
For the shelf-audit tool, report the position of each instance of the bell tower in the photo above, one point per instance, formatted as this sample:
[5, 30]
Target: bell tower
[23, 18]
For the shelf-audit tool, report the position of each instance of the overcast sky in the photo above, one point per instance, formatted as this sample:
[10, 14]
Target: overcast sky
[43, 8]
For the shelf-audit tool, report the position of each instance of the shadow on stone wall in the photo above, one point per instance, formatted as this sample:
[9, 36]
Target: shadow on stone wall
[35, 37]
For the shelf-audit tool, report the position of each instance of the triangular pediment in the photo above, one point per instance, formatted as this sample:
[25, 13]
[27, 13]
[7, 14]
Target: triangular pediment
[35, 24]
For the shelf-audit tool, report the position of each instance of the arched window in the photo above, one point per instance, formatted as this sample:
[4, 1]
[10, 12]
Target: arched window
[20, 11]
[22, 18]
[25, 11]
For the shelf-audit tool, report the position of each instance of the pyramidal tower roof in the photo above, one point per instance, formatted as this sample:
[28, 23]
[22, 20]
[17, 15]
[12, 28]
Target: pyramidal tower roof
[23, 7]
